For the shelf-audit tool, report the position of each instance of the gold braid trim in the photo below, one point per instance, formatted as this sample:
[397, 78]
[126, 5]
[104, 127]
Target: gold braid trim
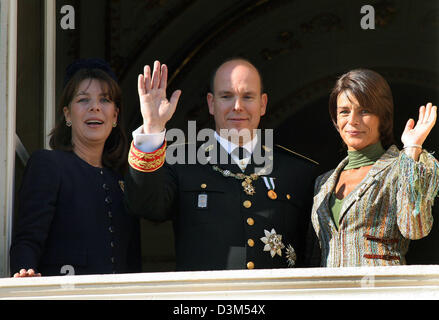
[146, 162]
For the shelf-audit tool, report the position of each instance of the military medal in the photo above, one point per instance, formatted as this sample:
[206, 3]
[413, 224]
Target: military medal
[273, 242]
[272, 195]
[274, 245]
[269, 183]
[291, 256]
[247, 185]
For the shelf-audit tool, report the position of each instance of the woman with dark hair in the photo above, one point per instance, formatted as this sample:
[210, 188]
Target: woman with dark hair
[71, 211]
[378, 198]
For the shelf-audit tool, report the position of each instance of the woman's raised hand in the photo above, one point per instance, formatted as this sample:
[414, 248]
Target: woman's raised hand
[156, 109]
[416, 134]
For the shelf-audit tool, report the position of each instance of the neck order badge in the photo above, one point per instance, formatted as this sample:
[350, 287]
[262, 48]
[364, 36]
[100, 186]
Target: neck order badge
[246, 184]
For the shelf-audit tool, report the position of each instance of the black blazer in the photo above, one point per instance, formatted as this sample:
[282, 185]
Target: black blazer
[217, 225]
[72, 214]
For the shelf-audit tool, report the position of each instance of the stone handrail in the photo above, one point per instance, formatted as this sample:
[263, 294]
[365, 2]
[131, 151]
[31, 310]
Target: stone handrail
[398, 282]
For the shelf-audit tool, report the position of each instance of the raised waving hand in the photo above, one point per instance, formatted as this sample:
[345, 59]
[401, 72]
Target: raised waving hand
[156, 109]
[415, 135]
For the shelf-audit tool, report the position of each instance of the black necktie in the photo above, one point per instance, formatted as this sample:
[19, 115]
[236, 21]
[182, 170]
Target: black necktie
[241, 153]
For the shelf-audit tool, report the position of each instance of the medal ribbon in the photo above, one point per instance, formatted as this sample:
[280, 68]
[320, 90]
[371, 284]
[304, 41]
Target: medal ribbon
[269, 183]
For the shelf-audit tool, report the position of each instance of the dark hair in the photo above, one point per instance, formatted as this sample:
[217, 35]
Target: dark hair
[372, 92]
[91, 63]
[213, 75]
[116, 146]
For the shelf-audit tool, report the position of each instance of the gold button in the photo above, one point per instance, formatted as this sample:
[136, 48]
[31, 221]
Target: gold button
[250, 265]
[247, 204]
[250, 242]
[203, 186]
[288, 196]
[250, 221]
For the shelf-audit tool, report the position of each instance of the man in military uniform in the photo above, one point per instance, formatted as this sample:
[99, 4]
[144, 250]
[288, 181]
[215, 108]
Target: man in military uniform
[225, 215]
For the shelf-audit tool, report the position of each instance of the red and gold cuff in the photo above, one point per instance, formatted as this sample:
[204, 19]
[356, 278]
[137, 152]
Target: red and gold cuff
[146, 162]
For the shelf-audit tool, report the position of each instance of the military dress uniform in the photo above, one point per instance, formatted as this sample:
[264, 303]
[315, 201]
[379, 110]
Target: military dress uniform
[224, 218]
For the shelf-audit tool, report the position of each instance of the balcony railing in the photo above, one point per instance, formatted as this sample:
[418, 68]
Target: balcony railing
[400, 282]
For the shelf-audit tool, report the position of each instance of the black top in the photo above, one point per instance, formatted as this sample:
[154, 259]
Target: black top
[72, 214]
[217, 224]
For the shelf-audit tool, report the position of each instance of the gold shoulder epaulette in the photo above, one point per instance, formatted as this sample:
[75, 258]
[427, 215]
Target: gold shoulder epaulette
[297, 154]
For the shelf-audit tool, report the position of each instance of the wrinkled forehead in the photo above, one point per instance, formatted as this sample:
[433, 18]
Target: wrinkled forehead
[237, 75]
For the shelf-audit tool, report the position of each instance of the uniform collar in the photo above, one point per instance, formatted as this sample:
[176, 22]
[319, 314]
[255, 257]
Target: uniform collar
[230, 146]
